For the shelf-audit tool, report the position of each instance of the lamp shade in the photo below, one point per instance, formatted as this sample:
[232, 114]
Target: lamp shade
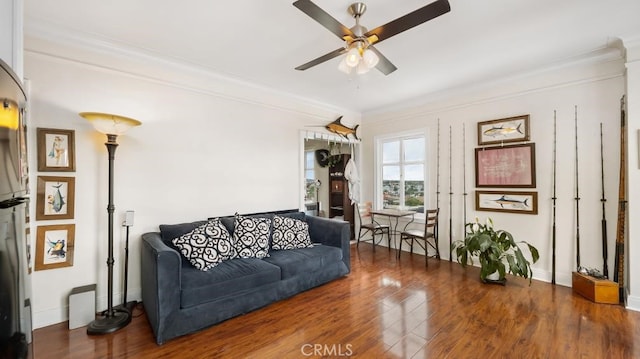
[9, 116]
[344, 67]
[110, 124]
[353, 57]
[370, 58]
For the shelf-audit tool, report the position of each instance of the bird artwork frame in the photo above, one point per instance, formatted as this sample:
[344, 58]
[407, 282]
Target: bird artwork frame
[56, 150]
[54, 246]
[55, 198]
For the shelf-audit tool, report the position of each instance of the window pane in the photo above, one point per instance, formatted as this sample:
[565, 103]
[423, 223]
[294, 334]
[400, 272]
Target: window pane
[391, 152]
[391, 194]
[391, 186]
[308, 160]
[414, 196]
[414, 172]
[391, 173]
[309, 175]
[310, 192]
[414, 149]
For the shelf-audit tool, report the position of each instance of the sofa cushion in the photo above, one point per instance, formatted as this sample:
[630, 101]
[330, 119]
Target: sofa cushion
[251, 236]
[170, 231]
[206, 246]
[227, 279]
[290, 233]
[304, 260]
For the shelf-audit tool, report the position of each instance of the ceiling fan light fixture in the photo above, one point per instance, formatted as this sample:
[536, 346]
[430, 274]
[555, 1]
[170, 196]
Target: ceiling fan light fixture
[344, 67]
[370, 58]
[362, 68]
[353, 57]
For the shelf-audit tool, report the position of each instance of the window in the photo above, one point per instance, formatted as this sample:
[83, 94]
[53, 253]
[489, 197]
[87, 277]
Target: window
[401, 172]
[309, 177]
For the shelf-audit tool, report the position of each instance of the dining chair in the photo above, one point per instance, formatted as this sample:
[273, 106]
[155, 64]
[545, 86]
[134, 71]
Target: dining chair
[368, 224]
[426, 237]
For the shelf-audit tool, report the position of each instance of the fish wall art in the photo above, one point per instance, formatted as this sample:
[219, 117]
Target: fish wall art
[504, 130]
[55, 198]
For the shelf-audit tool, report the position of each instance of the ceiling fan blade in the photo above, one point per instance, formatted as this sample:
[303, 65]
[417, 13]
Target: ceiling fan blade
[410, 20]
[384, 65]
[321, 16]
[322, 59]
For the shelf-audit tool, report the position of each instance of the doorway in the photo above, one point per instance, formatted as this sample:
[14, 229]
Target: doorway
[319, 150]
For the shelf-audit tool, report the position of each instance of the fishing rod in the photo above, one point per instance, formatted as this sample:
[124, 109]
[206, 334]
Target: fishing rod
[605, 267]
[464, 179]
[437, 229]
[618, 275]
[450, 201]
[553, 199]
[577, 198]
[438, 170]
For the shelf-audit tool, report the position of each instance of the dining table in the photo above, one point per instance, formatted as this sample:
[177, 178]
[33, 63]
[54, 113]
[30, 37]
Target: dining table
[394, 215]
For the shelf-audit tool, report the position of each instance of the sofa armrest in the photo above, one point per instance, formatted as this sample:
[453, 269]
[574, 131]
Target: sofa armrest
[331, 233]
[160, 270]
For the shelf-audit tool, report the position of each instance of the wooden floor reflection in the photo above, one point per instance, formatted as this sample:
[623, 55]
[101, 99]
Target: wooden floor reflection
[388, 308]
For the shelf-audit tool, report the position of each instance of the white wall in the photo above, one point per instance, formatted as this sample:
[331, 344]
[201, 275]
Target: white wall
[595, 87]
[200, 152]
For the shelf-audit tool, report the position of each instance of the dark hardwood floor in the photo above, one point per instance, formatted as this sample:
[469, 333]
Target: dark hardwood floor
[388, 309]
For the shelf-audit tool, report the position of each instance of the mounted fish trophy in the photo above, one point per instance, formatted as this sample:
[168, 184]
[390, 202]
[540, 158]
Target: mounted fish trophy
[341, 130]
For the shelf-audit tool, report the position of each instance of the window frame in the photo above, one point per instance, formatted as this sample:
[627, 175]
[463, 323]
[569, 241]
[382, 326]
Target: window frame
[379, 142]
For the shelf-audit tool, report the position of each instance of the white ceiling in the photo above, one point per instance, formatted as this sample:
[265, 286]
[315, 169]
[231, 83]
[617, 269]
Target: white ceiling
[263, 41]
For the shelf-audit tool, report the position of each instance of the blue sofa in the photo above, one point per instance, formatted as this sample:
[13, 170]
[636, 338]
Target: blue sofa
[180, 299]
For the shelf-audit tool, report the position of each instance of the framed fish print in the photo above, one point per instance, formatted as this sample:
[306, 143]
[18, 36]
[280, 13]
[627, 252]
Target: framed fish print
[56, 198]
[506, 166]
[504, 130]
[54, 246]
[56, 150]
[507, 201]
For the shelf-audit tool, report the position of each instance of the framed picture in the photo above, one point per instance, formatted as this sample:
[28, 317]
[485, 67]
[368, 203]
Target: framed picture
[511, 129]
[54, 246]
[507, 201]
[506, 166]
[56, 198]
[56, 150]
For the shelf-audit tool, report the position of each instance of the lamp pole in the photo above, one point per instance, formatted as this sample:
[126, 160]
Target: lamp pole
[113, 319]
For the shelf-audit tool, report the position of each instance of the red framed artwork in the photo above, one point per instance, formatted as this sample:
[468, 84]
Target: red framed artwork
[506, 166]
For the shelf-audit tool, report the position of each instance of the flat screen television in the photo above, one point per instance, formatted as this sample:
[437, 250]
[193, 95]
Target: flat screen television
[13, 147]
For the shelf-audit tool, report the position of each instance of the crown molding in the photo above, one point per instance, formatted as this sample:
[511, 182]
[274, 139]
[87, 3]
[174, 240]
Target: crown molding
[631, 45]
[607, 62]
[83, 48]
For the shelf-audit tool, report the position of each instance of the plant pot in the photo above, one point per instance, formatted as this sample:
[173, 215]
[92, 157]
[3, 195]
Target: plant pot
[494, 278]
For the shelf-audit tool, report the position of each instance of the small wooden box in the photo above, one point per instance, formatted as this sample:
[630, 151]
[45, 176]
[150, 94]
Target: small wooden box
[596, 290]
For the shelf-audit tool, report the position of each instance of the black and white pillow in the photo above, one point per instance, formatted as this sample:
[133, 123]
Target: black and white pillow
[251, 236]
[290, 233]
[207, 245]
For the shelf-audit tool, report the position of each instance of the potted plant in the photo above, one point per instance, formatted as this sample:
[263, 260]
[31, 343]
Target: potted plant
[493, 248]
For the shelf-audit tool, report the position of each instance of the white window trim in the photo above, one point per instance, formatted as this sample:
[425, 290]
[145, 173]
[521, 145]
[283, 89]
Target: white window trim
[378, 140]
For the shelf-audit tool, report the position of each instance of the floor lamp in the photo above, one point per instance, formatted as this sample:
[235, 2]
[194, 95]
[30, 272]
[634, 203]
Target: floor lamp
[112, 126]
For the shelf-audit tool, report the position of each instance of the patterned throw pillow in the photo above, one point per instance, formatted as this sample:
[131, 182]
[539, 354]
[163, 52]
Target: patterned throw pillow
[207, 245]
[290, 233]
[251, 236]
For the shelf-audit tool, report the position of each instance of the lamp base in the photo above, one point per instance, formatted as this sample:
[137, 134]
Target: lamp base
[109, 324]
[129, 306]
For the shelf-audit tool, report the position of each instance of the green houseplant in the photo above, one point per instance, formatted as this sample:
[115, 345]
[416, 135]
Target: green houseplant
[494, 248]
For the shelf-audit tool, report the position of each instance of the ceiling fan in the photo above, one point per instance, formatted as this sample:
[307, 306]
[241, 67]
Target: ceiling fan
[361, 53]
